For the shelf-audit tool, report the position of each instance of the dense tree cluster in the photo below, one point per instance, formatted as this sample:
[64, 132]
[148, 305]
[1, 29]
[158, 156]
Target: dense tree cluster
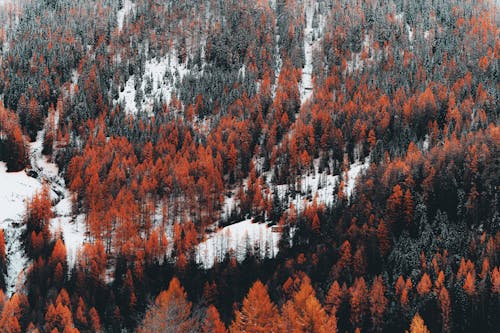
[409, 86]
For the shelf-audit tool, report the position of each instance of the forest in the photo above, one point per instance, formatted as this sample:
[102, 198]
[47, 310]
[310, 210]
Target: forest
[250, 166]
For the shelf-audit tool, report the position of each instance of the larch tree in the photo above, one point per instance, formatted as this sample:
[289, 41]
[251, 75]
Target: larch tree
[258, 314]
[359, 301]
[334, 297]
[212, 322]
[445, 307]
[170, 313]
[378, 303]
[304, 313]
[418, 325]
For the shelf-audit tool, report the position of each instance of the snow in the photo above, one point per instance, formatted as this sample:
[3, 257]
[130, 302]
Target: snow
[165, 73]
[306, 82]
[4, 2]
[17, 262]
[73, 233]
[228, 207]
[237, 238]
[353, 173]
[128, 6]
[410, 32]
[73, 230]
[322, 187]
[311, 42]
[17, 189]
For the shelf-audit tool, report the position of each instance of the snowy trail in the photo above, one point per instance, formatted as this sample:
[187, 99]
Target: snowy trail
[312, 37]
[306, 82]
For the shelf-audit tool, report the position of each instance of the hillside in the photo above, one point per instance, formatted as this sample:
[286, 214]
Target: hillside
[249, 166]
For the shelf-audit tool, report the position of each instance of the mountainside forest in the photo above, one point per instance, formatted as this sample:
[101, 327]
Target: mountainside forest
[226, 166]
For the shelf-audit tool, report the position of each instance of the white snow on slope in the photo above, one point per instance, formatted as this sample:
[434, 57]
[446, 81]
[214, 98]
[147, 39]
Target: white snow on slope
[73, 229]
[237, 238]
[306, 82]
[164, 73]
[353, 173]
[16, 188]
[128, 6]
[73, 232]
[17, 262]
[312, 38]
[321, 186]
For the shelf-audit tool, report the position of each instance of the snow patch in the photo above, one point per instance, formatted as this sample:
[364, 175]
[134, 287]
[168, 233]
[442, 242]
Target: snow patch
[352, 175]
[163, 74]
[17, 262]
[17, 188]
[73, 233]
[237, 239]
[311, 42]
[128, 6]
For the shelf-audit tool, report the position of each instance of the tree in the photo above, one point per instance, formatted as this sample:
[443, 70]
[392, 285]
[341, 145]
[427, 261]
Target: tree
[12, 147]
[59, 317]
[37, 219]
[418, 325]
[170, 312]
[258, 314]
[334, 297]
[395, 208]
[470, 284]
[344, 264]
[11, 314]
[425, 285]
[378, 303]
[95, 322]
[445, 304]
[359, 301]
[304, 313]
[384, 238]
[212, 322]
[3, 260]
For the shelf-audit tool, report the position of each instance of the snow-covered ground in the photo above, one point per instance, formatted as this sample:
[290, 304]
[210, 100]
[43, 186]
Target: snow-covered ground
[17, 262]
[73, 232]
[164, 73]
[237, 238]
[353, 173]
[125, 11]
[312, 37]
[16, 189]
[321, 187]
